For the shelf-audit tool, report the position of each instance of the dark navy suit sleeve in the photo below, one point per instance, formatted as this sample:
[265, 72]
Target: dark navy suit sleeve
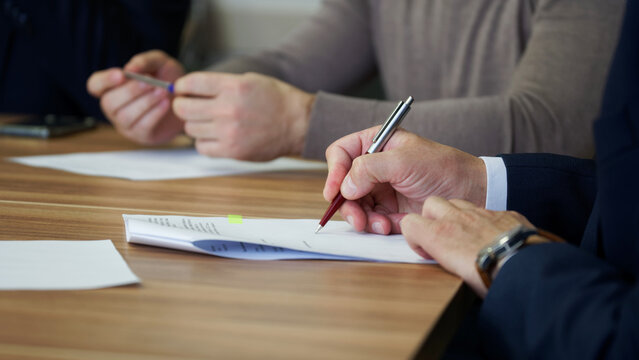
[554, 192]
[48, 49]
[558, 301]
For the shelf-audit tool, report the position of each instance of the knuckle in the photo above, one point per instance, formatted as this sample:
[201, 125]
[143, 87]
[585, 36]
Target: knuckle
[244, 85]
[442, 229]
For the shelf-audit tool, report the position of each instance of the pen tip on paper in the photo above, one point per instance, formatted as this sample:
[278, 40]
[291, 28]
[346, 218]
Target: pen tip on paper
[318, 229]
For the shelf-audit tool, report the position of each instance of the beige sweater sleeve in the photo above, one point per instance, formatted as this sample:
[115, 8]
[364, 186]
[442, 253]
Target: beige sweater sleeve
[549, 106]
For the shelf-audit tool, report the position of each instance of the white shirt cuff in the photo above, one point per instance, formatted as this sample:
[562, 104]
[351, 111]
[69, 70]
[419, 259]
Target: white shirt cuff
[496, 183]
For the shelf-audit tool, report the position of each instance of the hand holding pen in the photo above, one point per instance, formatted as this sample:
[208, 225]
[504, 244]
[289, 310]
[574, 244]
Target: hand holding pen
[243, 116]
[381, 188]
[140, 111]
[378, 141]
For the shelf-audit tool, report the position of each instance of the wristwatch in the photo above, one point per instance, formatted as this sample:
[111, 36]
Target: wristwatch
[504, 246]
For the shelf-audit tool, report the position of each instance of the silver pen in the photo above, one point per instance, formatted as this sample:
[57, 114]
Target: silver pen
[388, 128]
[149, 80]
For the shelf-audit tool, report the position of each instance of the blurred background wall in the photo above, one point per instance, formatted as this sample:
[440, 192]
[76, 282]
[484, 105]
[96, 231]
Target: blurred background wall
[221, 28]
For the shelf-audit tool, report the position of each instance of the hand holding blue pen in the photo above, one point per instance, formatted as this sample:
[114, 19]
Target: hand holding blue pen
[246, 116]
[139, 106]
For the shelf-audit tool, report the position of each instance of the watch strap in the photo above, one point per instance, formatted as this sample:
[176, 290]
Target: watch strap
[502, 247]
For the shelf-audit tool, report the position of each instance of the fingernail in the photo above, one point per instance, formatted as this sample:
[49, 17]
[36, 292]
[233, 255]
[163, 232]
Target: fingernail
[349, 219]
[348, 187]
[377, 228]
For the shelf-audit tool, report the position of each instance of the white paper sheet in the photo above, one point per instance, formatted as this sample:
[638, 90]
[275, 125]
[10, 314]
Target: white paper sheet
[159, 164]
[62, 265]
[267, 239]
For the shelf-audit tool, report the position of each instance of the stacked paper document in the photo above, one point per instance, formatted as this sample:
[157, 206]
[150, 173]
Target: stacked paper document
[267, 239]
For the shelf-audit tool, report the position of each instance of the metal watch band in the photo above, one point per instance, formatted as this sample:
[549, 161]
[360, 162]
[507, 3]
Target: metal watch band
[504, 245]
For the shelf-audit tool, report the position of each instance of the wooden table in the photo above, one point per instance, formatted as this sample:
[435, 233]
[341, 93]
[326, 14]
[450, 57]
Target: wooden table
[192, 306]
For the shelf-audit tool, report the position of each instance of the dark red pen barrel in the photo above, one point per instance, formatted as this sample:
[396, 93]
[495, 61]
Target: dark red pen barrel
[335, 205]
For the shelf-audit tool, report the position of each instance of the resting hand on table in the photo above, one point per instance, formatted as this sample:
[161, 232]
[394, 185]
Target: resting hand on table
[383, 187]
[453, 232]
[247, 117]
[139, 111]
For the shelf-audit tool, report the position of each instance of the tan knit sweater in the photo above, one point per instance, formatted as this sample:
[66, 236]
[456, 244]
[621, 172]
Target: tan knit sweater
[488, 76]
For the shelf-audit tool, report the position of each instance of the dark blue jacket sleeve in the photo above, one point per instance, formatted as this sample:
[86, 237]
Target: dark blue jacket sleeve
[554, 192]
[557, 301]
[48, 49]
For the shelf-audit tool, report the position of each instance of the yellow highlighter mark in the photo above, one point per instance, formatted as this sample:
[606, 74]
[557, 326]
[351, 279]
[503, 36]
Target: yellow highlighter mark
[235, 219]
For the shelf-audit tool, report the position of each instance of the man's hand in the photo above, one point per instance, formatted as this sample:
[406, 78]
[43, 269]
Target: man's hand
[247, 117]
[452, 232]
[139, 111]
[385, 186]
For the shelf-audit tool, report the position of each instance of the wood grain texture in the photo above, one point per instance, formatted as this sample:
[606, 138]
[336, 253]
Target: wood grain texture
[193, 306]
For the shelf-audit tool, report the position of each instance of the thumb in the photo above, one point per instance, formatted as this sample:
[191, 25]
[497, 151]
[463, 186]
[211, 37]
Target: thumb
[367, 171]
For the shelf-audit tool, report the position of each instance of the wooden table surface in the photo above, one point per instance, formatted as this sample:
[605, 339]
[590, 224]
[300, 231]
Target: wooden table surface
[192, 306]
